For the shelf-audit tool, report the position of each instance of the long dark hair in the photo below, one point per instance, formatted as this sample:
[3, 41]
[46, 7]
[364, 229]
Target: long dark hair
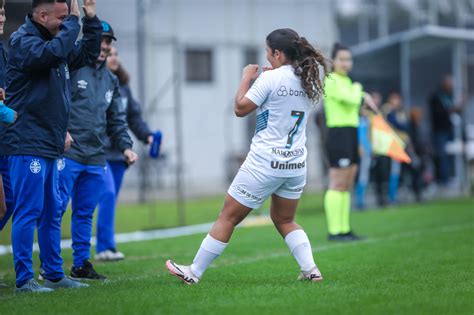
[306, 60]
[122, 75]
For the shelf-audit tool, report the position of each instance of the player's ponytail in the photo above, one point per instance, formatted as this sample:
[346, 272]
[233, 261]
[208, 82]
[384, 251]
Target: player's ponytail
[306, 60]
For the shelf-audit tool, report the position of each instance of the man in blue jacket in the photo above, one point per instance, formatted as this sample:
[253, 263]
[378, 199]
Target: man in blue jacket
[42, 52]
[95, 95]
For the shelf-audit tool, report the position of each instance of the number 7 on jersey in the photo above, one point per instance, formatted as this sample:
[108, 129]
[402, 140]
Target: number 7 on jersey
[299, 119]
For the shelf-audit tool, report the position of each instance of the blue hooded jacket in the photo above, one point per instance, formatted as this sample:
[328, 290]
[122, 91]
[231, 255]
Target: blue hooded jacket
[38, 84]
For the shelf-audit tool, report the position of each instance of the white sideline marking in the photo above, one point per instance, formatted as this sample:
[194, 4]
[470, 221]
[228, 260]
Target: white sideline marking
[154, 235]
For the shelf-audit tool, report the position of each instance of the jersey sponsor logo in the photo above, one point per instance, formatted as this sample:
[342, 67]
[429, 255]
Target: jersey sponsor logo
[61, 164]
[247, 194]
[284, 92]
[297, 189]
[345, 162]
[108, 96]
[287, 166]
[287, 153]
[35, 166]
[82, 84]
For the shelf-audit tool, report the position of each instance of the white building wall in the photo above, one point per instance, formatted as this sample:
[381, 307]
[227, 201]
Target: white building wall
[210, 130]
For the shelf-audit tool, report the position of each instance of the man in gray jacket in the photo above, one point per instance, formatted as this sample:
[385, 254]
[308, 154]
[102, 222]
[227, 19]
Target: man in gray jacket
[96, 113]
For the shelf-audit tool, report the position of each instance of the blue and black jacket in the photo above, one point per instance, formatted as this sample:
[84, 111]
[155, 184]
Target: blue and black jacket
[97, 114]
[38, 84]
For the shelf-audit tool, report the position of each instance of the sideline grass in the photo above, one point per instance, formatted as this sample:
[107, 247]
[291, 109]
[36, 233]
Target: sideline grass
[418, 259]
[163, 214]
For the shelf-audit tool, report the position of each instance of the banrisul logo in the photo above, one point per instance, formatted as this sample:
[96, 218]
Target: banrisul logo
[283, 91]
[35, 166]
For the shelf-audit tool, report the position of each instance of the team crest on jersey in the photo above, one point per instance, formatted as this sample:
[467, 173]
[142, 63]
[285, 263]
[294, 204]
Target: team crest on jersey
[35, 166]
[108, 96]
[61, 164]
[82, 84]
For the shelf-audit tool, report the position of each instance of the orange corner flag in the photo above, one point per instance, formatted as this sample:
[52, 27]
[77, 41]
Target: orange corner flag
[385, 140]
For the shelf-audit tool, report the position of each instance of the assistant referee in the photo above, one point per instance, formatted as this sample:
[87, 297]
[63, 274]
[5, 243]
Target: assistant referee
[342, 102]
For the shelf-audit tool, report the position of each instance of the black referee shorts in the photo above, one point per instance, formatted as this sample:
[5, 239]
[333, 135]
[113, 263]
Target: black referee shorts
[342, 146]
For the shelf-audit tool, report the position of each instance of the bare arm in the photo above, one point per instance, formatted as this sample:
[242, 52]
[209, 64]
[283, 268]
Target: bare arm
[243, 106]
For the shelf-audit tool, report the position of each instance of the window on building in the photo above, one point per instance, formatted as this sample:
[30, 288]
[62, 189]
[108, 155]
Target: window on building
[250, 57]
[199, 67]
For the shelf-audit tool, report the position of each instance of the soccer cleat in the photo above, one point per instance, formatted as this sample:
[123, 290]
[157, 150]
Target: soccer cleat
[65, 283]
[33, 286]
[183, 273]
[109, 255]
[314, 275]
[86, 272]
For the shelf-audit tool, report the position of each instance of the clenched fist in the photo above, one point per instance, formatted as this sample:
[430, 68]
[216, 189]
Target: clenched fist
[89, 8]
[250, 72]
[130, 156]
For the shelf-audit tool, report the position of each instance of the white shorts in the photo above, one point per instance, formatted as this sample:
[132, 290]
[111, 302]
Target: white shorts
[252, 188]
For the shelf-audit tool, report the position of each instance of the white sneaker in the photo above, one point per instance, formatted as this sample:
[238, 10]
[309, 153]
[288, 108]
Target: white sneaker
[109, 255]
[183, 273]
[314, 275]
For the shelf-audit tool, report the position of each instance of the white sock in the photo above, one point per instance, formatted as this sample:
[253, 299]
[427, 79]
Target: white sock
[210, 249]
[299, 245]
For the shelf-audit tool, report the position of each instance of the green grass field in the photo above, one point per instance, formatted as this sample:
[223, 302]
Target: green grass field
[418, 259]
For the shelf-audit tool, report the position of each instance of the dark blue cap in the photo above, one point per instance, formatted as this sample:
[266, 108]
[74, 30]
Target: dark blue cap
[107, 30]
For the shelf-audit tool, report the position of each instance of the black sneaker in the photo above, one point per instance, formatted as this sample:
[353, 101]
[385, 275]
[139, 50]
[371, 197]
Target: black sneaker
[346, 237]
[335, 237]
[350, 236]
[86, 272]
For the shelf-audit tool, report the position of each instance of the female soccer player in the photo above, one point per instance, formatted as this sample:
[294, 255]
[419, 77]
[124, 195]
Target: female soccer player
[282, 95]
[342, 102]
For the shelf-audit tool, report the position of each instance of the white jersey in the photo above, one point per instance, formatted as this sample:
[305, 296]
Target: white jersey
[279, 144]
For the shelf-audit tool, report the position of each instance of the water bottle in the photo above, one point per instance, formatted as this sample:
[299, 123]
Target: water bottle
[156, 144]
